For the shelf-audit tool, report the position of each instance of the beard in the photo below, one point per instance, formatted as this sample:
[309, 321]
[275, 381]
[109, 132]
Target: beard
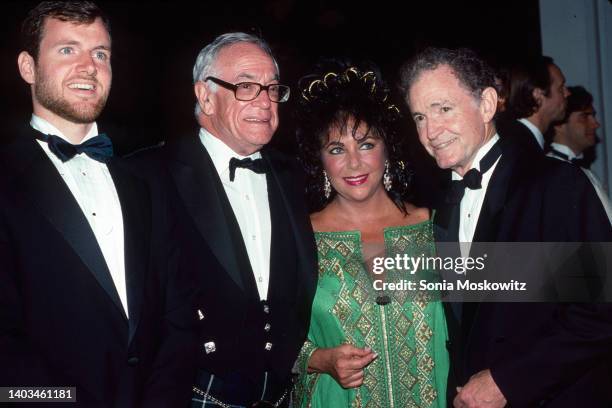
[50, 98]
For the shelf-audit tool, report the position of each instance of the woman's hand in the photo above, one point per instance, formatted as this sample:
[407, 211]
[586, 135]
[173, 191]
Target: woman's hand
[345, 363]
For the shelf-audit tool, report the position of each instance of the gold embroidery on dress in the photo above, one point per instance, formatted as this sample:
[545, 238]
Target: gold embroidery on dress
[408, 354]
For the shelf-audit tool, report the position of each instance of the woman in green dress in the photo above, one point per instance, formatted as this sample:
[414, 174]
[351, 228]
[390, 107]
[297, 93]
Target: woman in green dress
[366, 347]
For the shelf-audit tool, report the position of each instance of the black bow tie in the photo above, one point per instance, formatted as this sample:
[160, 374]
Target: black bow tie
[473, 178]
[579, 162]
[99, 148]
[258, 166]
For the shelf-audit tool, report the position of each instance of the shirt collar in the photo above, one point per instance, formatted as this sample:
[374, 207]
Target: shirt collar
[44, 127]
[536, 132]
[479, 155]
[561, 148]
[219, 152]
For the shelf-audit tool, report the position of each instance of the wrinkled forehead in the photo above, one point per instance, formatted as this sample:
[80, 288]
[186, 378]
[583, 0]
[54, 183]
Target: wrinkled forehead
[244, 60]
[435, 85]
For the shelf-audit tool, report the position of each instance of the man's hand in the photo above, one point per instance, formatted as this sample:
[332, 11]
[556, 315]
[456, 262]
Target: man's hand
[480, 392]
[345, 363]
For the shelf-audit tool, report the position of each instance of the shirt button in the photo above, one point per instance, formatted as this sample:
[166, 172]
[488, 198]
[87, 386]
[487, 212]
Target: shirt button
[246, 196]
[254, 237]
[267, 327]
[268, 346]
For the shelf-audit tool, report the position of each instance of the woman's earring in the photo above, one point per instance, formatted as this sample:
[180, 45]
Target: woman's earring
[326, 185]
[387, 177]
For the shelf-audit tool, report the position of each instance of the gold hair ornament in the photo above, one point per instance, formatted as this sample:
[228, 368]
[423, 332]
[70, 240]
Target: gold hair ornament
[310, 92]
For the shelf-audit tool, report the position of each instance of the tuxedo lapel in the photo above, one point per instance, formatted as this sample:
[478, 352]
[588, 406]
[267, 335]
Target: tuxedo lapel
[487, 230]
[446, 223]
[45, 189]
[283, 253]
[446, 216]
[495, 198]
[200, 188]
[136, 214]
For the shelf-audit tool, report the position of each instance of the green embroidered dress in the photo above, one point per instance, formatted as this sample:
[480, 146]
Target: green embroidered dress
[409, 333]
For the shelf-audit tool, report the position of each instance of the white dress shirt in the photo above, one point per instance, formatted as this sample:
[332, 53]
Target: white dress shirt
[601, 192]
[539, 137]
[248, 196]
[472, 200]
[92, 187]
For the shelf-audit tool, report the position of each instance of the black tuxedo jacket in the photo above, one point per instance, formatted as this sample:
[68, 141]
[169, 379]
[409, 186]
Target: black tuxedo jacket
[213, 250]
[540, 354]
[520, 135]
[61, 320]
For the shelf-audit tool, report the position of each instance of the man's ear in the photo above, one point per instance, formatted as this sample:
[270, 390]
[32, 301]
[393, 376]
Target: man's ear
[488, 104]
[27, 67]
[538, 95]
[204, 97]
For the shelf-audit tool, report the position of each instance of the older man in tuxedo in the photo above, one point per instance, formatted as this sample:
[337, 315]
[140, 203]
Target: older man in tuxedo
[245, 232]
[88, 298]
[520, 354]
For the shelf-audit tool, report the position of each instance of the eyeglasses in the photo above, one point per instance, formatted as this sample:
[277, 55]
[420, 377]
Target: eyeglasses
[247, 91]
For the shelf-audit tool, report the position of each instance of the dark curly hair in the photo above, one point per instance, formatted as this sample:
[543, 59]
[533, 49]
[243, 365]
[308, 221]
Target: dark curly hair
[337, 94]
[579, 99]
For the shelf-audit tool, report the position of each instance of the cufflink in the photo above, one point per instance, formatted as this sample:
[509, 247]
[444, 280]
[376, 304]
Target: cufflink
[200, 315]
[268, 346]
[210, 347]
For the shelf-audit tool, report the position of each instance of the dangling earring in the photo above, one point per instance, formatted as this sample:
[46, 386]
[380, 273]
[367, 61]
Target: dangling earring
[387, 177]
[326, 185]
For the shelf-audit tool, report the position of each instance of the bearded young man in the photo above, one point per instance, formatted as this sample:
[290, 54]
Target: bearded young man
[87, 298]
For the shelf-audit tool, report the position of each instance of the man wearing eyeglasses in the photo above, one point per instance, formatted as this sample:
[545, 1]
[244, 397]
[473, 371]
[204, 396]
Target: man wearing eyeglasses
[245, 230]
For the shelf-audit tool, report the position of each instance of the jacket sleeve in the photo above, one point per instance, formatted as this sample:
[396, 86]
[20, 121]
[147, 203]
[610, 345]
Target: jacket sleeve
[173, 371]
[581, 338]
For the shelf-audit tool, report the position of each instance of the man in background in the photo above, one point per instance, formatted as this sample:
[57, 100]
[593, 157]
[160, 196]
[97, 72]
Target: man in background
[537, 99]
[575, 133]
